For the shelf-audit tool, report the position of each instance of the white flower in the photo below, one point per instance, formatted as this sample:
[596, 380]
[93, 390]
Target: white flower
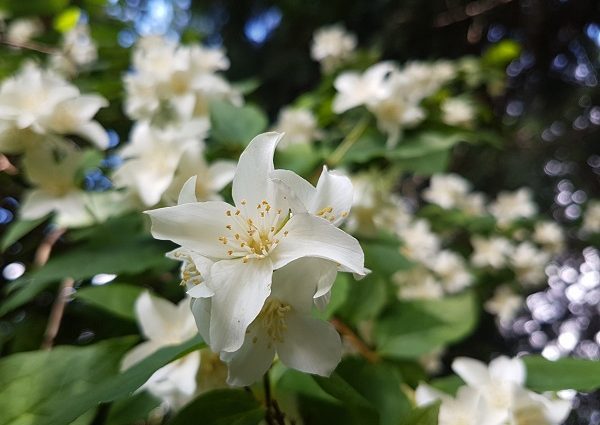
[420, 243]
[52, 170]
[153, 155]
[164, 324]
[332, 46]
[250, 240]
[299, 126]
[424, 79]
[417, 283]
[529, 263]
[42, 102]
[450, 267]
[285, 327]
[550, 235]
[510, 206]
[591, 217]
[490, 252]
[447, 190]
[504, 304]
[457, 111]
[78, 50]
[467, 408]
[502, 387]
[22, 30]
[473, 204]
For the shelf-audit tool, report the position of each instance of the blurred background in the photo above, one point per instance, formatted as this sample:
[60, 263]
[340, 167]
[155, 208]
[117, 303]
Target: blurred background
[551, 109]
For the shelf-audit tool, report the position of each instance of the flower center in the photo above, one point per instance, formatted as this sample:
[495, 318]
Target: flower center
[273, 316]
[189, 273]
[530, 415]
[253, 238]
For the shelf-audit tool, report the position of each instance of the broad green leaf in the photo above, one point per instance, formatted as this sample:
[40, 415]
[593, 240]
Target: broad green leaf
[297, 382]
[385, 258]
[17, 230]
[339, 294]
[427, 415]
[380, 384]
[562, 374]
[448, 384]
[427, 164]
[132, 410]
[366, 298]
[33, 7]
[35, 383]
[351, 399]
[409, 329]
[235, 125]
[221, 407]
[116, 298]
[300, 158]
[122, 257]
[67, 19]
[117, 387]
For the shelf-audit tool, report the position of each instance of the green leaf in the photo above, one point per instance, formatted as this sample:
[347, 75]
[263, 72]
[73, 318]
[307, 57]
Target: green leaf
[366, 298]
[130, 257]
[234, 124]
[500, 54]
[221, 407]
[33, 7]
[385, 258]
[35, 383]
[409, 329]
[562, 374]
[426, 165]
[17, 230]
[339, 294]
[67, 19]
[337, 387]
[300, 158]
[427, 415]
[132, 410]
[297, 382]
[448, 384]
[116, 298]
[113, 388]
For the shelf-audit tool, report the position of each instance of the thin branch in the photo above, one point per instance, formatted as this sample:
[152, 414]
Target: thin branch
[30, 45]
[355, 341]
[56, 314]
[472, 9]
[267, 388]
[7, 166]
[348, 142]
[42, 254]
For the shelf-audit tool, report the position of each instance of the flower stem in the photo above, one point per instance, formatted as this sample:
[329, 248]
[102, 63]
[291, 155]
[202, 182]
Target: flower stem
[355, 341]
[352, 137]
[274, 415]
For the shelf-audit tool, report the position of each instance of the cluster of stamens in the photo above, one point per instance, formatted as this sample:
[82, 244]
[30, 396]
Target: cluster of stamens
[250, 239]
[189, 272]
[273, 316]
[327, 214]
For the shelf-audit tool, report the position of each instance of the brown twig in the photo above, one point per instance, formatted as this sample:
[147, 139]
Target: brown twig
[472, 9]
[355, 341]
[36, 47]
[56, 314]
[273, 415]
[7, 166]
[42, 254]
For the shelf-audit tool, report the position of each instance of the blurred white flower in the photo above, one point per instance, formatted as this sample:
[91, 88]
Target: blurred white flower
[511, 206]
[42, 102]
[299, 126]
[420, 243]
[164, 324]
[529, 263]
[22, 30]
[490, 252]
[550, 235]
[447, 190]
[153, 155]
[504, 304]
[451, 269]
[332, 46]
[591, 217]
[249, 241]
[457, 111]
[78, 50]
[417, 283]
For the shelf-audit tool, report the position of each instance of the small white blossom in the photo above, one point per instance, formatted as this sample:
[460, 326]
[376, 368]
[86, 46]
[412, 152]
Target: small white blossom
[591, 217]
[164, 324]
[550, 235]
[22, 30]
[447, 190]
[504, 304]
[417, 283]
[511, 206]
[78, 50]
[490, 252]
[529, 263]
[457, 111]
[299, 126]
[332, 46]
[451, 269]
[420, 243]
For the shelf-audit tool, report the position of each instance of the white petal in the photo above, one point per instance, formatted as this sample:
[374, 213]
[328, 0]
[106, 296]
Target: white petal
[310, 236]
[251, 182]
[300, 192]
[506, 369]
[220, 174]
[155, 316]
[240, 293]
[188, 191]
[36, 204]
[472, 371]
[138, 353]
[72, 211]
[248, 364]
[201, 311]
[427, 395]
[334, 190]
[196, 226]
[319, 356]
[200, 291]
[94, 132]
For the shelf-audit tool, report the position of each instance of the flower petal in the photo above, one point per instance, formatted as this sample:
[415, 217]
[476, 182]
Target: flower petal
[310, 236]
[138, 353]
[251, 182]
[220, 174]
[188, 192]
[300, 192]
[240, 293]
[94, 132]
[320, 356]
[201, 310]
[36, 203]
[335, 191]
[197, 226]
[154, 316]
[248, 364]
[506, 369]
[472, 371]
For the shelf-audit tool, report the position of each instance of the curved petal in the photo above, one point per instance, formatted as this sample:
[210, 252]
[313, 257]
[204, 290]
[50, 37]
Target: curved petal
[240, 293]
[94, 132]
[154, 316]
[201, 311]
[37, 203]
[188, 192]
[310, 236]
[427, 395]
[320, 356]
[220, 174]
[197, 226]
[472, 371]
[248, 364]
[300, 192]
[251, 181]
[506, 369]
[138, 353]
[334, 191]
